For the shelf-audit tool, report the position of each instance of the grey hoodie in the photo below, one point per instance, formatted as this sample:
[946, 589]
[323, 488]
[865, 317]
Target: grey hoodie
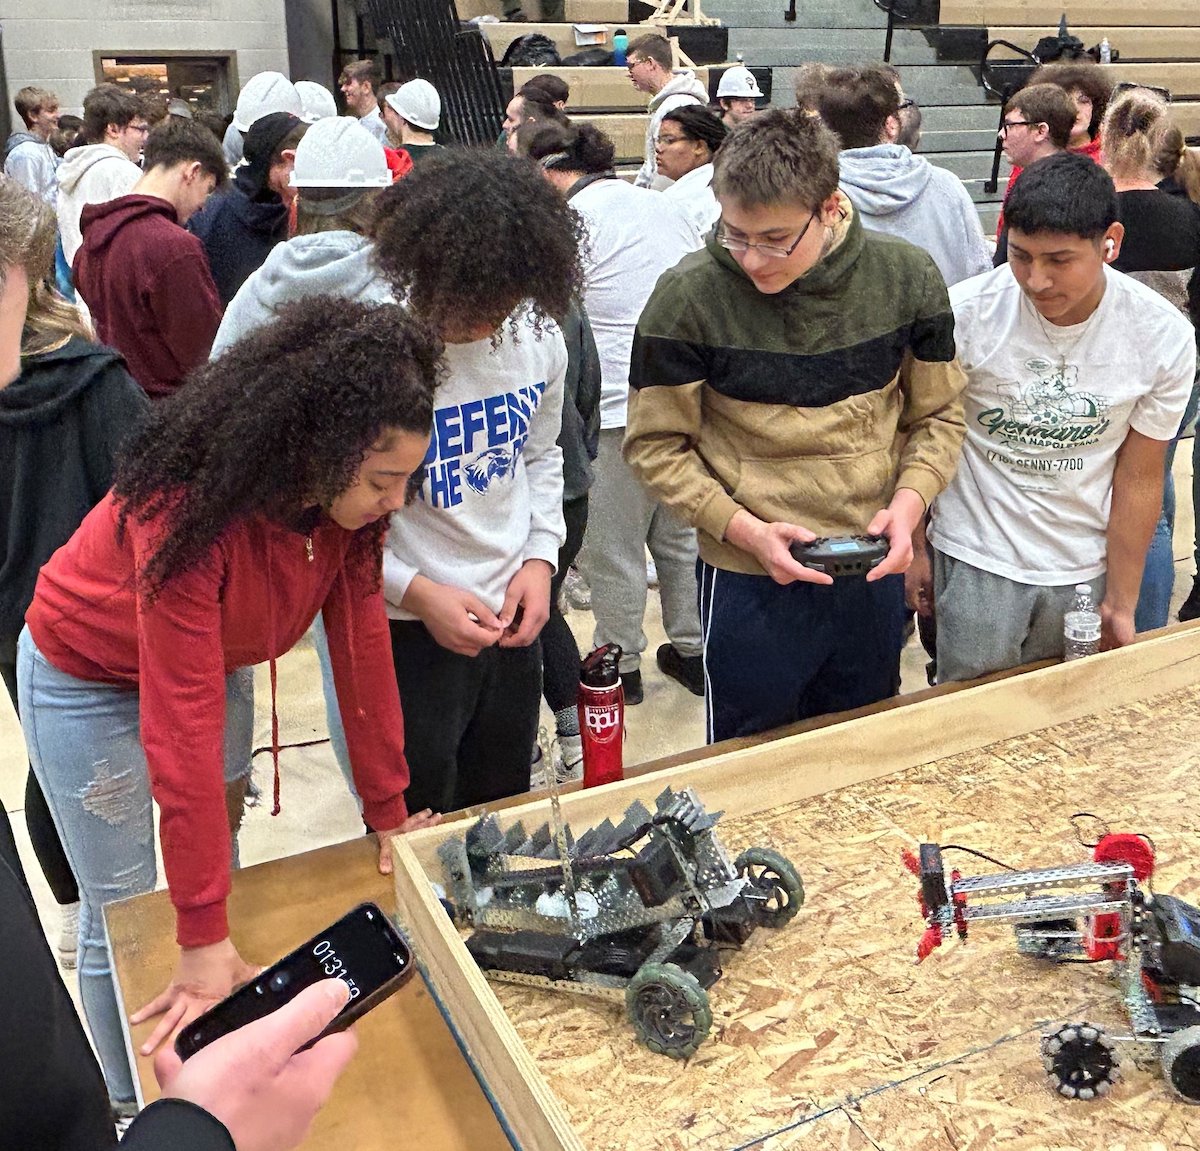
[30, 161]
[683, 88]
[907, 196]
[326, 264]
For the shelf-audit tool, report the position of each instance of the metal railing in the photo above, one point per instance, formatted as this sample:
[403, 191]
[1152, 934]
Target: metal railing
[896, 10]
[1002, 79]
[428, 40]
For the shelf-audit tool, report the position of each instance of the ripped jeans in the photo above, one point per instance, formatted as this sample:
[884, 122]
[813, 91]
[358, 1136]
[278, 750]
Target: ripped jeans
[84, 742]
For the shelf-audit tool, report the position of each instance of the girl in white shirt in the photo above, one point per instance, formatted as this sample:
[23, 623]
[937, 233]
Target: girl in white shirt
[687, 141]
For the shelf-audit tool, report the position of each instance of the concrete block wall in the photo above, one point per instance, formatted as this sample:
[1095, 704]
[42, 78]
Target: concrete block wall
[50, 43]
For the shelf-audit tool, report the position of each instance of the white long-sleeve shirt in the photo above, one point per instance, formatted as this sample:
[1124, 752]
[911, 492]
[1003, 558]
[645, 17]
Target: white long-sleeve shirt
[634, 235]
[492, 495]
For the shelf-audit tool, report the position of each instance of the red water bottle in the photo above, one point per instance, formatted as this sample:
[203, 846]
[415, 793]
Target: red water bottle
[601, 715]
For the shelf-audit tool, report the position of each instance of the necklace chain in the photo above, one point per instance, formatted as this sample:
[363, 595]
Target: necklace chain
[1062, 356]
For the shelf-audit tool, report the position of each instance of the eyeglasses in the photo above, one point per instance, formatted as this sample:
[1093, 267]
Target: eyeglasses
[664, 140]
[143, 129]
[1017, 124]
[630, 65]
[735, 244]
[907, 102]
[1163, 94]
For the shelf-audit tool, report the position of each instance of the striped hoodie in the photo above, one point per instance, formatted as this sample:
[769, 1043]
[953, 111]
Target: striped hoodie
[811, 406]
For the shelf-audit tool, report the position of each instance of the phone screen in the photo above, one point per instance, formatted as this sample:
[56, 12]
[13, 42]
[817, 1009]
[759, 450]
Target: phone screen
[362, 949]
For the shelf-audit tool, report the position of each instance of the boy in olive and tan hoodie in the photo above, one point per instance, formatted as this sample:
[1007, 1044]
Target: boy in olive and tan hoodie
[795, 378]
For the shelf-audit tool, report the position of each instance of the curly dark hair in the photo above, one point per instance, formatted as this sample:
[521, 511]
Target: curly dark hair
[468, 236]
[1089, 78]
[278, 426]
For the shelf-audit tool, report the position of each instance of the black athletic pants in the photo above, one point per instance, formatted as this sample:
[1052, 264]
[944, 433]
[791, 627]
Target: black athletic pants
[470, 722]
[42, 832]
[560, 652]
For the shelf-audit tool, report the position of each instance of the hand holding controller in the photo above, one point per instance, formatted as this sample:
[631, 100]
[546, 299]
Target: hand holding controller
[840, 556]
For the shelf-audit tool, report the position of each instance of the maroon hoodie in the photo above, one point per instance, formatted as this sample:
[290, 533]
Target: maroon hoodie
[146, 281]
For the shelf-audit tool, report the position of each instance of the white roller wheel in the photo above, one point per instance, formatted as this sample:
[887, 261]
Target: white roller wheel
[1080, 1061]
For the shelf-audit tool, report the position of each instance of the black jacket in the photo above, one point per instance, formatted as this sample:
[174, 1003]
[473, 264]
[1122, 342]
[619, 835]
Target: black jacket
[238, 229]
[61, 422]
[580, 435]
[53, 1096]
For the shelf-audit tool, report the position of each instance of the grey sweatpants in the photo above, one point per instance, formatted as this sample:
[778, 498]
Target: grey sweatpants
[988, 623]
[623, 520]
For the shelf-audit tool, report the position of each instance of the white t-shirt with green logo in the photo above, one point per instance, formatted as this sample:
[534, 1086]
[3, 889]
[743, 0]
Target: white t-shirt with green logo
[1046, 409]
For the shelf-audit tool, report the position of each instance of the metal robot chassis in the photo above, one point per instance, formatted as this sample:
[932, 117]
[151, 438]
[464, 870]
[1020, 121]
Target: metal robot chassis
[1090, 912]
[631, 912]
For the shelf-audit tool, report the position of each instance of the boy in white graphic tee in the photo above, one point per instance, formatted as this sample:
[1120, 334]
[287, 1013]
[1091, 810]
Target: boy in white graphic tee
[483, 248]
[1078, 377]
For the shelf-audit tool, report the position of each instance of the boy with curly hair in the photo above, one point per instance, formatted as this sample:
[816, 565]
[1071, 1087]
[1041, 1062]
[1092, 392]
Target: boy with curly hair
[480, 245]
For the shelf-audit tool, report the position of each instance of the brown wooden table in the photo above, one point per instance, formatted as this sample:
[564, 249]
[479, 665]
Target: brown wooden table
[409, 1085]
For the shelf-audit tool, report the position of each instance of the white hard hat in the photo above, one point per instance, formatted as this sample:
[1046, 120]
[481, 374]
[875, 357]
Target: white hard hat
[263, 94]
[738, 81]
[338, 152]
[316, 101]
[418, 103]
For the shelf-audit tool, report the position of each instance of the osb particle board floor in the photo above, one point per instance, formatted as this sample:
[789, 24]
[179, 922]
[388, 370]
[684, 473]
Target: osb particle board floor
[826, 1034]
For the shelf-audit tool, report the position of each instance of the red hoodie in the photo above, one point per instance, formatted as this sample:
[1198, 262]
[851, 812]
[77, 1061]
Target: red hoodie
[248, 600]
[147, 284]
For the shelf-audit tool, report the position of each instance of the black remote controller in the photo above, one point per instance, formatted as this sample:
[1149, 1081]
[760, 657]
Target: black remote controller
[839, 556]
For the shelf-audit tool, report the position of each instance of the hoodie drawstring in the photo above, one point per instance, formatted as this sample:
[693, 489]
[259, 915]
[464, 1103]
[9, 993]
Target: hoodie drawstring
[275, 808]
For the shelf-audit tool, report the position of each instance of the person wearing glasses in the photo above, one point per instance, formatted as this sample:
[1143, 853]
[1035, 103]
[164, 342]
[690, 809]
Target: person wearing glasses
[795, 378]
[633, 236]
[106, 165]
[649, 62]
[1037, 123]
[893, 190]
[1087, 87]
[687, 142]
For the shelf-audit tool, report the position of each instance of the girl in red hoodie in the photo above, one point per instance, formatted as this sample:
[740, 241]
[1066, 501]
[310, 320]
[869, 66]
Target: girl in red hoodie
[255, 497]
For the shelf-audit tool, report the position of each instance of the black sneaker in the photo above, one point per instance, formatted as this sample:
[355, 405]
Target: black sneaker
[631, 681]
[1190, 608]
[685, 669]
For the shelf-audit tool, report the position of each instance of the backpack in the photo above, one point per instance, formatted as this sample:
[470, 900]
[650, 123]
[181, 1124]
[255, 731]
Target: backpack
[532, 50]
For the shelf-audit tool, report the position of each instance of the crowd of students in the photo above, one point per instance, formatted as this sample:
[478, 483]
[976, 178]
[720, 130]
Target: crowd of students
[392, 391]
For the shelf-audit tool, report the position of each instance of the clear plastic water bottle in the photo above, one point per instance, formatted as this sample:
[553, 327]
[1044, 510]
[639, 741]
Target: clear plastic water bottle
[1081, 625]
[1105, 51]
[1083, 598]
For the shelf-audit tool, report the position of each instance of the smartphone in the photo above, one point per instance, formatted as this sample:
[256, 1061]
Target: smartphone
[363, 949]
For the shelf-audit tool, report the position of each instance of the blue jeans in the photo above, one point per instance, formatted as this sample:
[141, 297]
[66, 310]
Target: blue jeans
[1158, 576]
[85, 745]
[333, 713]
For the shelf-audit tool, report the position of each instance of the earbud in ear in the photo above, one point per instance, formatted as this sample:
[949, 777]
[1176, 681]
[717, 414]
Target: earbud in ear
[1109, 245]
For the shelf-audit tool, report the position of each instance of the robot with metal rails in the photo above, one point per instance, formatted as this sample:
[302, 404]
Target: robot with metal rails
[633, 912]
[1089, 912]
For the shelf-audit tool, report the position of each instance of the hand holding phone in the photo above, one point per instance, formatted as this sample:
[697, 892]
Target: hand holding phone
[362, 950]
[254, 1082]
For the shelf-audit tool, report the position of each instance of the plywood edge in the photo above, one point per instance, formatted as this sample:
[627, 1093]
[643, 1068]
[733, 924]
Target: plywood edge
[527, 1107]
[748, 780]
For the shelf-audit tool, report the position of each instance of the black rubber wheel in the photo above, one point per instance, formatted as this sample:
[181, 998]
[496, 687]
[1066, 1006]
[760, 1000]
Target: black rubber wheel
[1181, 1063]
[775, 889]
[1080, 1061]
[668, 1009]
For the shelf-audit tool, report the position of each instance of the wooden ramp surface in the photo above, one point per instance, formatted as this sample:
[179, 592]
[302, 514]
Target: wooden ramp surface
[825, 1033]
[409, 1085]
